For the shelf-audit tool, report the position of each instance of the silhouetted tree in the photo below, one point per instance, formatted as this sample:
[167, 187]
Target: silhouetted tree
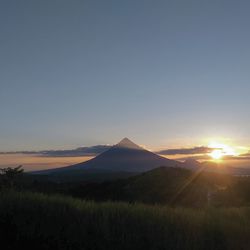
[8, 176]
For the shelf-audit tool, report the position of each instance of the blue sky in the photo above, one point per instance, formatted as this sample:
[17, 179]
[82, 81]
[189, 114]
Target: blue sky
[164, 73]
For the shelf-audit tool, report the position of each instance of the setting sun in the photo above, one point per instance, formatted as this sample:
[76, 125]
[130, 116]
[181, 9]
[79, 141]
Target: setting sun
[217, 154]
[221, 150]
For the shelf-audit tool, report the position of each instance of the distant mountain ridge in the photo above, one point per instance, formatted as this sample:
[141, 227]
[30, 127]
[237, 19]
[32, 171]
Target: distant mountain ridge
[127, 158]
[124, 156]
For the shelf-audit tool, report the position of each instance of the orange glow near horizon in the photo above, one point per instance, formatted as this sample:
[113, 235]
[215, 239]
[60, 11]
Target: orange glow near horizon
[217, 154]
[35, 162]
[220, 150]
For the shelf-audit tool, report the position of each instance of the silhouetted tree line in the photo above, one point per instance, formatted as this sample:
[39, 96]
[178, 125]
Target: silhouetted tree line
[9, 176]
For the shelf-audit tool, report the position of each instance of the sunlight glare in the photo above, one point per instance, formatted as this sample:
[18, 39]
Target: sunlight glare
[221, 150]
[217, 154]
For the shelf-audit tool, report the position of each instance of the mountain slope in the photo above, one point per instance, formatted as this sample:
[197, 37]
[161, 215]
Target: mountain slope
[124, 156]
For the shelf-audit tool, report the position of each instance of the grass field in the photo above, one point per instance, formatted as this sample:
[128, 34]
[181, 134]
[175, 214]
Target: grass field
[57, 222]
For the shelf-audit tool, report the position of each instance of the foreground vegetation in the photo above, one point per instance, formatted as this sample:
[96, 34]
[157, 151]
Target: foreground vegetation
[164, 185]
[37, 221]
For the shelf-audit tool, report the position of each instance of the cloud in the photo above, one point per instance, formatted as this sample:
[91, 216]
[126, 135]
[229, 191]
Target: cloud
[197, 153]
[240, 157]
[243, 157]
[20, 152]
[82, 151]
[186, 151]
[246, 155]
[98, 149]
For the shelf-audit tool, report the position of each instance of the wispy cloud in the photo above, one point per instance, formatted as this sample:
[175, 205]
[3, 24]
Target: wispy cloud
[82, 151]
[197, 153]
[239, 157]
[246, 155]
[186, 151]
[202, 157]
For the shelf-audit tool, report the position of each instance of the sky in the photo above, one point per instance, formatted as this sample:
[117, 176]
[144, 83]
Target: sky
[166, 74]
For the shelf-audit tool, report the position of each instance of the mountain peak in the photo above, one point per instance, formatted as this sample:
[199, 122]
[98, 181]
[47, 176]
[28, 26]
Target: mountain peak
[126, 143]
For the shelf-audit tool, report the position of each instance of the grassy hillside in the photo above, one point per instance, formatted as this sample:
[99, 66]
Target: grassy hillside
[164, 185]
[56, 222]
[83, 175]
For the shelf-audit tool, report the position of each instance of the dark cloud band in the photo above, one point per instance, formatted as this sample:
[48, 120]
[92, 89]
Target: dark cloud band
[186, 151]
[82, 151]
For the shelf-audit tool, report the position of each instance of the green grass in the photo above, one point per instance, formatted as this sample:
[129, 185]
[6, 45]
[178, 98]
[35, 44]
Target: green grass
[58, 222]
